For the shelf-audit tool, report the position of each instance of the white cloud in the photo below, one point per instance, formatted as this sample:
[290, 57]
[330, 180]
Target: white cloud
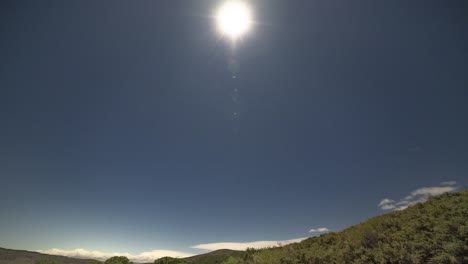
[403, 202]
[417, 196]
[432, 191]
[449, 183]
[387, 206]
[319, 230]
[386, 201]
[149, 256]
[82, 253]
[156, 254]
[245, 245]
[400, 208]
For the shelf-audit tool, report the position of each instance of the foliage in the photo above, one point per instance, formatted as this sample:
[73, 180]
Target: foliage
[47, 261]
[435, 231]
[232, 260]
[169, 260]
[215, 257]
[118, 260]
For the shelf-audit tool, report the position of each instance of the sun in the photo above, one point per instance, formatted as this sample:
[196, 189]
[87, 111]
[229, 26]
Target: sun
[234, 19]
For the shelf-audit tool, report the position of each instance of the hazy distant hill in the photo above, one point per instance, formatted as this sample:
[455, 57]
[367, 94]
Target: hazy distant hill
[9, 256]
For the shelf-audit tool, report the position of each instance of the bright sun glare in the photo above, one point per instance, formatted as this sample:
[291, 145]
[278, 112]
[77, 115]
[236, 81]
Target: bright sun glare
[234, 19]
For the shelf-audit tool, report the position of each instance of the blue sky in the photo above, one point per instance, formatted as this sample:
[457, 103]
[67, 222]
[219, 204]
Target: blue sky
[118, 132]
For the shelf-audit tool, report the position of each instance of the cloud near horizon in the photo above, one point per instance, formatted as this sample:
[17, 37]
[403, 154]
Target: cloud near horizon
[319, 230]
[417, 196]
[448, 183]
[149, 256]
[245, 245]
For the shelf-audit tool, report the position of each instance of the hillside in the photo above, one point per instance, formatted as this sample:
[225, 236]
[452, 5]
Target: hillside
[432, 232]
[10, 256]
[214, 257]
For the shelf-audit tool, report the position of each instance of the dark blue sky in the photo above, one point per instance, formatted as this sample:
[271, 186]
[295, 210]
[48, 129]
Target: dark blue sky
[117, 135]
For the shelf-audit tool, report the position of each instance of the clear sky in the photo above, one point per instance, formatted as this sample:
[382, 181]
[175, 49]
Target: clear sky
[117, 132]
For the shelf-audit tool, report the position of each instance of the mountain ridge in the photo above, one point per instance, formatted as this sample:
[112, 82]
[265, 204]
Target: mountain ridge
[18, 256]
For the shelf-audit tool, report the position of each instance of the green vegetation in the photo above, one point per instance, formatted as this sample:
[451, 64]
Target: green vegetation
[432, 232]
[118, 260]
[47, 261]
[169, 260]
[232, 260]
[215, 257]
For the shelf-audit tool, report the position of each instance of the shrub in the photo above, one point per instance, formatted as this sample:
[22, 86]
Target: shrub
[118, 260]
[47, 261]
[169, 260]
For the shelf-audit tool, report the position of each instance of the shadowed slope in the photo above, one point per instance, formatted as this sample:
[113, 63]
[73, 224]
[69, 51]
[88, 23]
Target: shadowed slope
[10, 256]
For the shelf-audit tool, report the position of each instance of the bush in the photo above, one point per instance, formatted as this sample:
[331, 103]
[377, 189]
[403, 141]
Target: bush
[169, 260]
[47, 261]
[118, 260]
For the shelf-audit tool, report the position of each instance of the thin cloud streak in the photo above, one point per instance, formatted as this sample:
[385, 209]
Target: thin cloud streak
[386, 201]
[149, 256]
[319, 230]
[448, 183]
[417, 196]
[245, 245]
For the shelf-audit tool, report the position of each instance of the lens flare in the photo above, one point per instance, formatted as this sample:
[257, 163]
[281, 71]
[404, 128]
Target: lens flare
[234, 19]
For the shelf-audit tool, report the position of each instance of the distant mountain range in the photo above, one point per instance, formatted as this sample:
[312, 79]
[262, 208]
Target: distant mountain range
[10, 256]
[435, 231]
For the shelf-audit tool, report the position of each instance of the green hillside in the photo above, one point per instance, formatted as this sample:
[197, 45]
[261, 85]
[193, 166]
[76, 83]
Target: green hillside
[432, 232]
[215, 257]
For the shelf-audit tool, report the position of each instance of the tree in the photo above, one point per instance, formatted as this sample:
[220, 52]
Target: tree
[169, 260]
[232, 260]
[47, 261]
[118, 260]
